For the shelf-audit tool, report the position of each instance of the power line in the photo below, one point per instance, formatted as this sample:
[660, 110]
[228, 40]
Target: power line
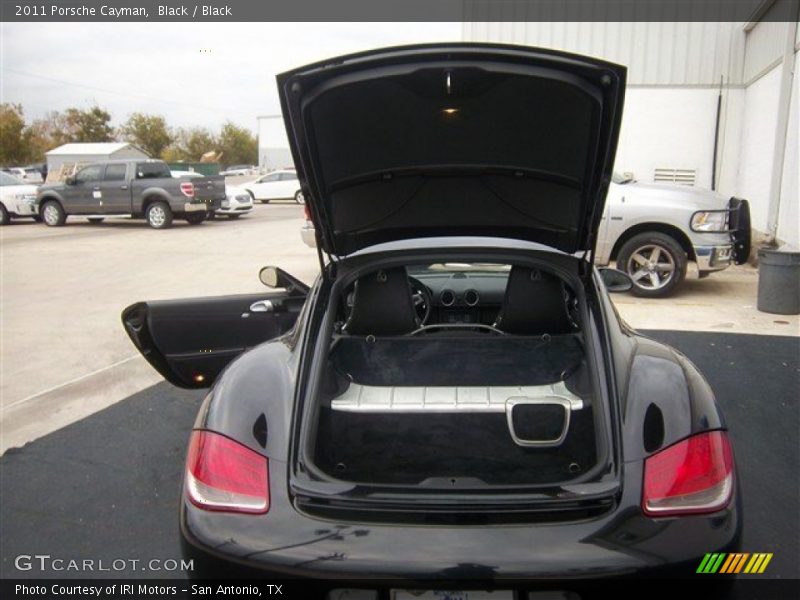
[107, 91]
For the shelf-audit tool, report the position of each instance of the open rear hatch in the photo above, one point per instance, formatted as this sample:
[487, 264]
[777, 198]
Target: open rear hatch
[456, 139]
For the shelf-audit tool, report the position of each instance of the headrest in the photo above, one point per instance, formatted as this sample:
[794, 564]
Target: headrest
[534, 304]
[382, 305]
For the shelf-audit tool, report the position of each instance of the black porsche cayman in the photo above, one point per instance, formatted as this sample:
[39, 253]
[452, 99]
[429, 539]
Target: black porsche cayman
[455, 398]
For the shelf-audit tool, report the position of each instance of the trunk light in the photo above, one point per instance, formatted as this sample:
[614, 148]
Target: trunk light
[224, 475]
[691, 477]
[187, 187]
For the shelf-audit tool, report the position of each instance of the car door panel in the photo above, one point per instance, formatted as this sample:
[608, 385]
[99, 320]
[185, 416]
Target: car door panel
[114, 190]
[82, 198]
[289, 185]
[191, 341]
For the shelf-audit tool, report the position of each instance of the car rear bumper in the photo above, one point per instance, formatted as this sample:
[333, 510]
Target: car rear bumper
[189, 207]
[288, 543]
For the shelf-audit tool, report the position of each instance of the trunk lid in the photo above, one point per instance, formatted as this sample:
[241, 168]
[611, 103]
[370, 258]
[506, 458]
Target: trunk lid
[454, 140]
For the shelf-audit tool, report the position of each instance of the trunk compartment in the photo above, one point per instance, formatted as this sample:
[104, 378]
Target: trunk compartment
[456, 410]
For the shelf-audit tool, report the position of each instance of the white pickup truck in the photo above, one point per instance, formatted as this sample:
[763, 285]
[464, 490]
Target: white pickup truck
[653, 230]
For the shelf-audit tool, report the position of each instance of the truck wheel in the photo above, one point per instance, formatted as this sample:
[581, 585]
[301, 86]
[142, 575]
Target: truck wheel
[159, 215]
[195, 218]
[4, 218]
[299, 198]
[52, 214]
[95, 219]
[655, 262]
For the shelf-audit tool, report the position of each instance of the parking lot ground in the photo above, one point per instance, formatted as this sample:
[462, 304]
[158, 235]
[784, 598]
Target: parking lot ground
[64, 352]
[108, 486]
[724, 301]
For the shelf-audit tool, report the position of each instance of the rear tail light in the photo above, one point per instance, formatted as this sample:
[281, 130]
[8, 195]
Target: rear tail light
[691, 477]
[187, 187]
[224, 475]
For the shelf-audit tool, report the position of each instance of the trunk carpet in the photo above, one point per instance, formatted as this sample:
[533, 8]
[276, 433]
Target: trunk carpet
[409, 448]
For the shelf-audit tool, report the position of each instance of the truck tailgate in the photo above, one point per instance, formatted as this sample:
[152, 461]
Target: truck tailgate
[209, 189]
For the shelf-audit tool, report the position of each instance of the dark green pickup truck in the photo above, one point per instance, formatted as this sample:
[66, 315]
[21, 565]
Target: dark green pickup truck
[136, 188]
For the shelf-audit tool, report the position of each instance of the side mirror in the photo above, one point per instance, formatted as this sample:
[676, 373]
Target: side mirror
[70, 180]
[275, 277]
[616, 280]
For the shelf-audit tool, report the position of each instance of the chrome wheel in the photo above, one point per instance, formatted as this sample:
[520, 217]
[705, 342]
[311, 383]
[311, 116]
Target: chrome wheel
[299, 198]
[51, 214]
[157, 216]
[651, 267]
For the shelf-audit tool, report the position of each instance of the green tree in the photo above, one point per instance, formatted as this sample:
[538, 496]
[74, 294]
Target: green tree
[190, 144]
[13, 142]
[92, 125]
[238, 145]
[149, 132]
[39, 138]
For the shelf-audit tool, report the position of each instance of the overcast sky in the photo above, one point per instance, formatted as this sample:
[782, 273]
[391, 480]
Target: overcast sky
[194, 74]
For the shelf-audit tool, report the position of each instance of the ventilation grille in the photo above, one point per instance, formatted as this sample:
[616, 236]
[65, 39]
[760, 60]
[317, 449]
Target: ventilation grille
[681, 176]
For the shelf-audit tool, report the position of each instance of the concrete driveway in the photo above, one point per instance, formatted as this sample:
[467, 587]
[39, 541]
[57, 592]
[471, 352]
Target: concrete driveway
[65, 355]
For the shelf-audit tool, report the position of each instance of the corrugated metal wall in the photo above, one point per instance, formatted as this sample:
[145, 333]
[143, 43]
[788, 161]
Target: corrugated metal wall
[764, 44]
[668, 53]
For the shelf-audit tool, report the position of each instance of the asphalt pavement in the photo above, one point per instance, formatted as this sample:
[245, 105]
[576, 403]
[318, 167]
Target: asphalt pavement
[107, 487]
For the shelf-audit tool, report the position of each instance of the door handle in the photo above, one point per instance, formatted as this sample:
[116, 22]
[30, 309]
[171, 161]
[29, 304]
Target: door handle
[123, 187]
[262, 306]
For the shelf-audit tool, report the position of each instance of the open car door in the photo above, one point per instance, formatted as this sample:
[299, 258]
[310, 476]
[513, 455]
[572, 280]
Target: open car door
[191, 341]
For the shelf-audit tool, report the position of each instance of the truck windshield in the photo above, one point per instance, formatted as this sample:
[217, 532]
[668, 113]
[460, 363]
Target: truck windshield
[152, 170]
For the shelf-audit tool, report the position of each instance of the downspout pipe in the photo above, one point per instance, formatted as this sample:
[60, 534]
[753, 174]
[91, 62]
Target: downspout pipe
[781, 130]
[716, 138]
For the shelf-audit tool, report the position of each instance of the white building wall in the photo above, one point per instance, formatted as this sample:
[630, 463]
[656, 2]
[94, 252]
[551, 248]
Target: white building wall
[128, 152]
[789, 215]
[674, 128]
[660, 53]
[674, 72]
[756, 146]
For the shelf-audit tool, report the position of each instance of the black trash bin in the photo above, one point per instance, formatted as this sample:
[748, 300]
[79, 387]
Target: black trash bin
[779, 282]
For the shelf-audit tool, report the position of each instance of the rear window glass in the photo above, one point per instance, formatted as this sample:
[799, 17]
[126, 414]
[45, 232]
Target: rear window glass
[152, 170]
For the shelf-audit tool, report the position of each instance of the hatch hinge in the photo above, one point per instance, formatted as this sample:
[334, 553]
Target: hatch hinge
[585, 266]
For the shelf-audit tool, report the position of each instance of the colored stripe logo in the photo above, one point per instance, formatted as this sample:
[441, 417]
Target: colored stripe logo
[736, 562]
